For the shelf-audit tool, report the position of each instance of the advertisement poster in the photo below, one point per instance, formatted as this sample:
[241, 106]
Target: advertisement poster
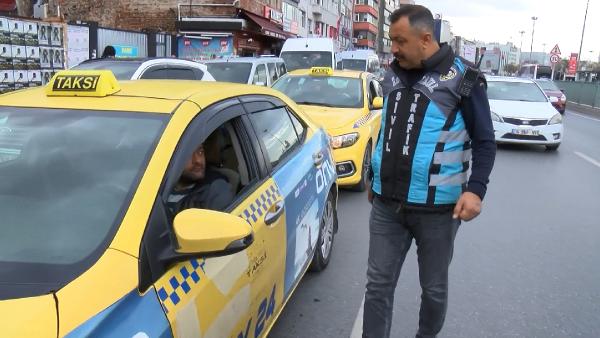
[78, 41]
[205, 49]
[56, 38]
[58, 61]
[572, 67]
[44, 32]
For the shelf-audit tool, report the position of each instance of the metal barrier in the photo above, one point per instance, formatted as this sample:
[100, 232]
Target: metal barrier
[581, 92]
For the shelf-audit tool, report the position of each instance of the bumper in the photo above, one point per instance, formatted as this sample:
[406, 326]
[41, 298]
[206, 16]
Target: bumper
[349, 164]
[544, 135]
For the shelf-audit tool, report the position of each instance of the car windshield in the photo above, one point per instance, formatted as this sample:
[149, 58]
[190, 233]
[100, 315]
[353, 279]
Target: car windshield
[236, 72]
[66, 179]
[354, 64]
[322, 91]
[306, 60]
[123, 70]
[548, 85]
[515, 91]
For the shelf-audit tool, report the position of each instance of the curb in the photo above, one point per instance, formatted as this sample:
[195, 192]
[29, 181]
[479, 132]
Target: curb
[583, 109]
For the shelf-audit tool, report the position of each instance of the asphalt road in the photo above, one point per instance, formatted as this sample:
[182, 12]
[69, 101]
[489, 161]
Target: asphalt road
[529, 266]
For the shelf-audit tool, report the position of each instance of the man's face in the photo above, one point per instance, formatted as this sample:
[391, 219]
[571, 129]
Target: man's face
[408, 43]
[195, 168]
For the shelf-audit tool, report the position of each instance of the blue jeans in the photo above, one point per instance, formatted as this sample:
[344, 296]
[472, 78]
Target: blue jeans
[392, 230]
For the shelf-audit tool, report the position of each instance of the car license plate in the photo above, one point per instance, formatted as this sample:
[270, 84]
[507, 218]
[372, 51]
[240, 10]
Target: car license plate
[531, 132]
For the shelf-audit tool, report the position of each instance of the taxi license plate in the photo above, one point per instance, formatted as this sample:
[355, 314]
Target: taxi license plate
[531, 132]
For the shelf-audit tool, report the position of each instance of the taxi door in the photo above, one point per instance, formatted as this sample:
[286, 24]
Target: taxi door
[302, 167]
[233, 295]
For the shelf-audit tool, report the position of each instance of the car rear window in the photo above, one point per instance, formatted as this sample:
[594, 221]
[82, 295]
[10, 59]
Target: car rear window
[123, 70]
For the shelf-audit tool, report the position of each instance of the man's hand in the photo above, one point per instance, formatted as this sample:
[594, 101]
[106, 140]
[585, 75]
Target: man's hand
[468, 207]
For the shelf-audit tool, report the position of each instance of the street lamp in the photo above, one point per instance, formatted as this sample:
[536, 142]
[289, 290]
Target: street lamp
[534, 18]
[521, 47]
[583, 32]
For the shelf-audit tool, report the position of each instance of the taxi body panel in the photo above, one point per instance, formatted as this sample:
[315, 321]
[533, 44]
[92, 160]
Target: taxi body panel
[237, 295]
[339, 121]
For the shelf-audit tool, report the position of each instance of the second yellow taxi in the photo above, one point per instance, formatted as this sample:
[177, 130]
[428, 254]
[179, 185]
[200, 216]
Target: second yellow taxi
[348, 104]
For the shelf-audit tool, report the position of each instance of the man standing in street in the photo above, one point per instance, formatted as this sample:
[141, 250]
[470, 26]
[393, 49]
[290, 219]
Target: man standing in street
[436, 119]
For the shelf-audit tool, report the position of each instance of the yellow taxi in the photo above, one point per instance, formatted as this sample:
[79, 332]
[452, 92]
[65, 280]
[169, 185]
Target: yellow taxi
[90, 245]
[348, 104]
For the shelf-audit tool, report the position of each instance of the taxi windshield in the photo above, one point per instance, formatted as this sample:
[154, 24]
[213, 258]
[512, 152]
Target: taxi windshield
[328, 91]
[123, 70]
[66, 180]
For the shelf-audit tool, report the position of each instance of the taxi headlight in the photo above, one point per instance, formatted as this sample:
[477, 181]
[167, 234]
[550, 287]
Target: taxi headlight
[344, 141]
[556, 119]
[497, 118]
[563, 98]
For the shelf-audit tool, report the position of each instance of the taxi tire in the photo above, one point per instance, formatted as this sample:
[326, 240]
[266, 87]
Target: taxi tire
[364, 180]
[319, 262]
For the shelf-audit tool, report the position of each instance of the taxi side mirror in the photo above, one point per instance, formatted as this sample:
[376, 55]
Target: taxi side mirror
[211, 233]
[378, 103]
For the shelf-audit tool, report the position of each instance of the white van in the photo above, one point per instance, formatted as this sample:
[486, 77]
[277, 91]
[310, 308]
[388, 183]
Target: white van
[305, 53]
[362, 60]
[261, 71]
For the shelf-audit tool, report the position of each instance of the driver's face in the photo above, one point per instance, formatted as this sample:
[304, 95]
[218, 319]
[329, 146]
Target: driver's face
[195, 168]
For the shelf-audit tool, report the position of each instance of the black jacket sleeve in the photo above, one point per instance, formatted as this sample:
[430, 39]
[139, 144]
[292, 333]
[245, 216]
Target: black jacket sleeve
[478, 121]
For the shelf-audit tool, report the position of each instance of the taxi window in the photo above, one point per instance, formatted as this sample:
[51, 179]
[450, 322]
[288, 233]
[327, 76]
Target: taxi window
[66, 179]
[328, 91]
[157, 73]
[277, 132]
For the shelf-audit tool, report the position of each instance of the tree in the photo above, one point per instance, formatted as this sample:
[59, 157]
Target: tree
[511, 68]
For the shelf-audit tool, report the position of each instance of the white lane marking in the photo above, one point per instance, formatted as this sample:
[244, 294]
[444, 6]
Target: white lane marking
[587, 158]
[583, 116]
[358, 322]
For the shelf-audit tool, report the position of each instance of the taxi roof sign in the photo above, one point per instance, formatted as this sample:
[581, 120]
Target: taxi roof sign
[90, 83]
[321, 71]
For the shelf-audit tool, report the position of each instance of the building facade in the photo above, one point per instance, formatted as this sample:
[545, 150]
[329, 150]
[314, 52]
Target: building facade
[366, 24]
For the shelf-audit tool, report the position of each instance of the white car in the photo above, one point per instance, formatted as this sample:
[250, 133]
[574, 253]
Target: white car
[150, 68]
[260, 71]
[522, 113]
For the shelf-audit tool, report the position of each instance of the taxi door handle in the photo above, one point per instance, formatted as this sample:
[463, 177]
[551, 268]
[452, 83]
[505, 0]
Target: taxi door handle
[275, 211]
[318, 158]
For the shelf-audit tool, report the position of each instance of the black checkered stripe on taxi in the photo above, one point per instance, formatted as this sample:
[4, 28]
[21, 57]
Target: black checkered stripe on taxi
[260, 206]
[363, 120]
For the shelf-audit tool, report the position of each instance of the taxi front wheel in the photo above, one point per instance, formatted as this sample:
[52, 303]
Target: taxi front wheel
[326, 234]
[364, 175]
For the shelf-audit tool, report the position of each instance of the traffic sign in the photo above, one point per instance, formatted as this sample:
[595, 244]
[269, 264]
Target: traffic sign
[554, 58]
[555, 50]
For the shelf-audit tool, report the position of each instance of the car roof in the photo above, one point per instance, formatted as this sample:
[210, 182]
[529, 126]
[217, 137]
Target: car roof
[267, 59]
[336, 72]
[508, 79]
[144, 96]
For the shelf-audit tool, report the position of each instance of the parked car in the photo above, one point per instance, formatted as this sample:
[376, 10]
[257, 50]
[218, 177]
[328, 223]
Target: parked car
[522, 113]
[150, 68]
[262, 71]
[348, 105]
[552, 90]
[91, 244]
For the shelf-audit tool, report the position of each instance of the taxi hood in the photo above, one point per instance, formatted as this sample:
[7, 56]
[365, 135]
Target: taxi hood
[29, 317]
[333, 117]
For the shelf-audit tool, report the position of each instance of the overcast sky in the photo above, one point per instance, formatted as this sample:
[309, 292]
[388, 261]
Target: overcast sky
[559, 21]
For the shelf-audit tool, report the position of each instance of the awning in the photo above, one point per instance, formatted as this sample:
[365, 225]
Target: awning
[267, 27]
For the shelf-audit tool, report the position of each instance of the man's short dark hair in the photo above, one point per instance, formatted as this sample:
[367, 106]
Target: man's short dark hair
[418, 16]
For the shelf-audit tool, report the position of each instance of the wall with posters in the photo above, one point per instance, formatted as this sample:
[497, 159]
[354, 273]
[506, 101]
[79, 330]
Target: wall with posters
[30, 53]
[205, 49]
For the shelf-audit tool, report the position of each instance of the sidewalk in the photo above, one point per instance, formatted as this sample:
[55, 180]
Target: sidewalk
[583, 109]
